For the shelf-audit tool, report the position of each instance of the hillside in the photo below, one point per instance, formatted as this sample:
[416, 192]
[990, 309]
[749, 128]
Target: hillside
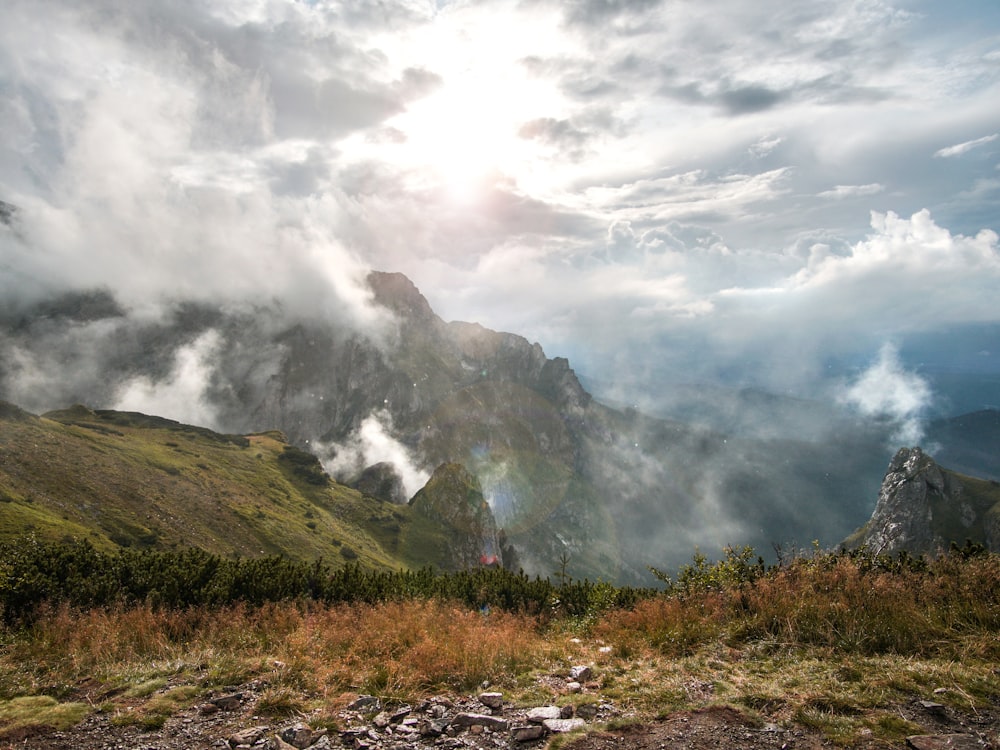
[127, 479]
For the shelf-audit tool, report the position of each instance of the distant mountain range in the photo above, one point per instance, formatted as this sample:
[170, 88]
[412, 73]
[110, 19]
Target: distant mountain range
[551, 476]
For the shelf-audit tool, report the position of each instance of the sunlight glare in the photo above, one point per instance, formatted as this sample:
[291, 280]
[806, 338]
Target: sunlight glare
[464, 137]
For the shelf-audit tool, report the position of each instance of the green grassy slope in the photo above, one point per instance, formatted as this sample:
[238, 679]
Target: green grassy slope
[132, 480]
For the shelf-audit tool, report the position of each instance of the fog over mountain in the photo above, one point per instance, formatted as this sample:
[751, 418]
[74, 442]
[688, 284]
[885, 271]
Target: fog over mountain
[764, 222]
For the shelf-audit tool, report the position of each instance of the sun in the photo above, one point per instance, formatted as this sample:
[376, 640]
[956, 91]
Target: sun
[466, 134]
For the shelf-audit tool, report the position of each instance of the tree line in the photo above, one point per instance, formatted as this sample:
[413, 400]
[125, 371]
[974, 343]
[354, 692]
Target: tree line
[34, 572]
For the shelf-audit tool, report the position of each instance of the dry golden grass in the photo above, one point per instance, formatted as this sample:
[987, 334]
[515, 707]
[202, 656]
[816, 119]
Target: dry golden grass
[391, 649]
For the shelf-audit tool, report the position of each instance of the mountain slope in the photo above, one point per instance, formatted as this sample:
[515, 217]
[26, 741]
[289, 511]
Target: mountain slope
[134, 480]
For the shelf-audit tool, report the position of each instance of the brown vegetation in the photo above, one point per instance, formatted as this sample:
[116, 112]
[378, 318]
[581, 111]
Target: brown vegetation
[832, 643]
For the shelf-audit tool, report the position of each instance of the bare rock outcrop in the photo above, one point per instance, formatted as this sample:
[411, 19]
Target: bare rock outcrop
[923, 508]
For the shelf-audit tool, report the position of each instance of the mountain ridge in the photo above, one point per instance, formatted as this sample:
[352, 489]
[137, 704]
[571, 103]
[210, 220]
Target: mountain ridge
[568, 478]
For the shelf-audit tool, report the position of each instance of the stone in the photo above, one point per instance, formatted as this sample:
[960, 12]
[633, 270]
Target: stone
[491, 700]
[299, 735]
[581, 673]
[437, 711]
[247, 736]
[397, 715]
[431, 728]
[931, 707]
[228, 702]
[485, 720]
[944, 742]
[559, 726]
[362, 702]
[541, 713]
[574, 687]
[586, 710]
[529, 733]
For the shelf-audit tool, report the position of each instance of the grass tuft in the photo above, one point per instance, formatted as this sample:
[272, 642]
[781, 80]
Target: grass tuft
[39, 711]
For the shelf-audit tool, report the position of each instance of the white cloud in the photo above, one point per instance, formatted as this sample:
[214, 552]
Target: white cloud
[886, 390]
[181, 394]
[961, 148]
[765, 146]
[852, 191]
[373, 443]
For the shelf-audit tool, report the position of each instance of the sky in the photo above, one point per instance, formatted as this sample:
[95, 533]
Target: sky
[802, 197]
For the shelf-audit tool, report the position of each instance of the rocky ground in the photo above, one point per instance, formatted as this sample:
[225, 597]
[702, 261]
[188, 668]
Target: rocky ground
[226, 720]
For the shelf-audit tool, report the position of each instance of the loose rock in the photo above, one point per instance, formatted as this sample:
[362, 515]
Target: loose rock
[529, 733]
[944, 742]
[491, 700]
[557, 726]
[581, 673]
[485, 720]
[540, 714]
[247, 736]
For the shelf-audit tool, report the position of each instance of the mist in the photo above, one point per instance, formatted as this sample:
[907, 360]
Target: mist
[373, 443]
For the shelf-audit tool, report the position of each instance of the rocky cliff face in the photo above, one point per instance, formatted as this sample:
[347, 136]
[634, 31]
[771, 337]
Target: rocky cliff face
[923, 508]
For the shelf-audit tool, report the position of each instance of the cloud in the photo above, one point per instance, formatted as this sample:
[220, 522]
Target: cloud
[155, 169]
[373, 443]
[961, 148]
[601, 12]
[765, 146]
[886, 390]
[852, 191]
[656, 187]
[181, 395]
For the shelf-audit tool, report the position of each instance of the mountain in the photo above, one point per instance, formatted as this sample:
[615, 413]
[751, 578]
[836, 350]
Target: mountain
[566, 477]
[128, 479]
[923, 508]
[968, 443]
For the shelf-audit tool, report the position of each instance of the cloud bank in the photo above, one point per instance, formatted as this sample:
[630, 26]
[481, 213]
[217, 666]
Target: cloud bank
[742, 194]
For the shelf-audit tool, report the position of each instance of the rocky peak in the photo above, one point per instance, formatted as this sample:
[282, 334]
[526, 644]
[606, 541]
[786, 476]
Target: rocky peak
[396, 292]
[381, 480]
[923, 508]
